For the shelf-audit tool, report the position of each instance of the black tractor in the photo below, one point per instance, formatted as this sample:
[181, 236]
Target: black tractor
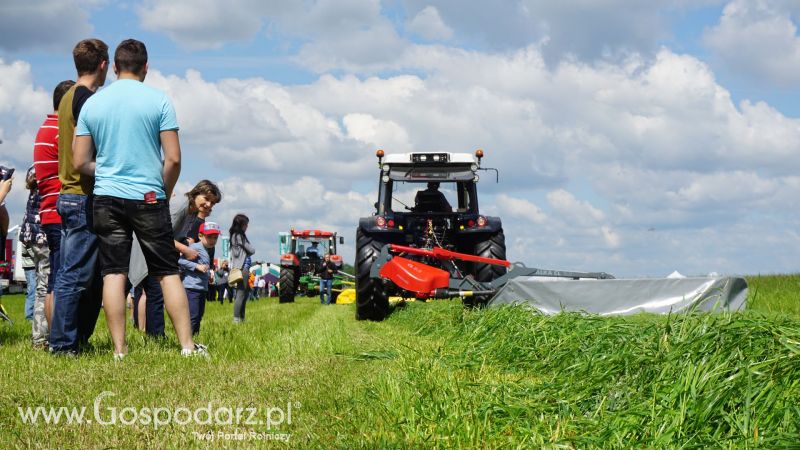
[426, 201]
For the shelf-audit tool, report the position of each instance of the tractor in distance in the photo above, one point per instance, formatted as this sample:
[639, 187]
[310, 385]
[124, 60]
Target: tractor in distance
[302, 253]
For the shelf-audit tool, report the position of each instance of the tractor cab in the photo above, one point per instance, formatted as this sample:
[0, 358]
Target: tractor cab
[430, 200]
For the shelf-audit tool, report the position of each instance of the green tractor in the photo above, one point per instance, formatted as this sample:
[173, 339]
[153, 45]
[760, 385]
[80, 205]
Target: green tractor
[301, 256]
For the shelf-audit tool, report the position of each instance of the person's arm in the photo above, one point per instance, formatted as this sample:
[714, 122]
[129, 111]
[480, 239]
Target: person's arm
[187, 251]
[248, 247]
[83, 154]
[186, 264]
[5, 188]
[172, 160]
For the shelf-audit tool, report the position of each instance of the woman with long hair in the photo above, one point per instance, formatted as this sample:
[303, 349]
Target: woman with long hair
[186, 217]
[241, 248]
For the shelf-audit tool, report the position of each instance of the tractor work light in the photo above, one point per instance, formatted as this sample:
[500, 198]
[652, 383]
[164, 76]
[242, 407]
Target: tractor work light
[380, 222]
[481, 221]
[430, 157]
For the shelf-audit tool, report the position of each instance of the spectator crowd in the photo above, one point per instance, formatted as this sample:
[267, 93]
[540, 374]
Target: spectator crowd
[103, 228]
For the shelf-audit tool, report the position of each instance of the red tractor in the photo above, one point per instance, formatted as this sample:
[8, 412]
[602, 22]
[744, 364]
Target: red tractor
[301, 255]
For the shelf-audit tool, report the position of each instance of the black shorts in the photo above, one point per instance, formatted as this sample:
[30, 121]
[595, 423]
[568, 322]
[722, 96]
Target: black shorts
[115, 219]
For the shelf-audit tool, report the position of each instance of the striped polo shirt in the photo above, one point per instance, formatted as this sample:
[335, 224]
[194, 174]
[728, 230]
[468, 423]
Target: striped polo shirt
[45, 159]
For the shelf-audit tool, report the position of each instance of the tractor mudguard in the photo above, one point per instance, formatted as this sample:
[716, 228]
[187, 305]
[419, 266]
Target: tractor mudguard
[290, 260]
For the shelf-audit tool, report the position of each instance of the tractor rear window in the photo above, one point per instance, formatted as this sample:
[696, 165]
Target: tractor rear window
[421, 198]
[430, 174]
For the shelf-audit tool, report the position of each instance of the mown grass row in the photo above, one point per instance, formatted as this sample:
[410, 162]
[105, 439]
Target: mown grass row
[438, 376]
[511, 377]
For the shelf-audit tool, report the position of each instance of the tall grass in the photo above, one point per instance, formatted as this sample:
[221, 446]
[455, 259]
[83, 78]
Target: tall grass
[437, 376]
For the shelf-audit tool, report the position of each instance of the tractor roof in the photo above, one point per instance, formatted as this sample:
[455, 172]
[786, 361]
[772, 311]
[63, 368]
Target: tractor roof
[430, 157]
[312, 233]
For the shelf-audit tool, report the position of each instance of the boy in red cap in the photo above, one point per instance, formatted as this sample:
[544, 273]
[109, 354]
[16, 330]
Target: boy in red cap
[196, 273]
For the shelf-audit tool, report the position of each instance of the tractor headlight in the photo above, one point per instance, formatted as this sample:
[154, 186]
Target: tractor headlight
[385, 167]
[476, 178]
[473, 167]
[385, 178]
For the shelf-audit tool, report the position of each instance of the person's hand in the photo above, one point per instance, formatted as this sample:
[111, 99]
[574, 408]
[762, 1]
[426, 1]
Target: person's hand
[202, 268]
[191, 254]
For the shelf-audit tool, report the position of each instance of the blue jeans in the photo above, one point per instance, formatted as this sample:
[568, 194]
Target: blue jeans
[30, 293]
[325, 287]
[78, 287]
[154, 308]
[53, 232]
[197, 308]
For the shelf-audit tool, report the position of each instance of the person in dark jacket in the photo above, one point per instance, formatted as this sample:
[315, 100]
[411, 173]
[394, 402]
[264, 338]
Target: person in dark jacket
[326, 272]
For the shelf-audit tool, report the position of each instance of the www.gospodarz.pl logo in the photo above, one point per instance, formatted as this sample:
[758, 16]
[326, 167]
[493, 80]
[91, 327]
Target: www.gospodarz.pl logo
[272, 417]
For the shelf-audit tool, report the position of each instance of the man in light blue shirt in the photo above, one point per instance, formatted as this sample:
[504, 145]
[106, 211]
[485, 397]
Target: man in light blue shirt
[128, 161]
[127, 125]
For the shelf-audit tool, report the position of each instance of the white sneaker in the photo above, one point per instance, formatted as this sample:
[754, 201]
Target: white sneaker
[198, 350]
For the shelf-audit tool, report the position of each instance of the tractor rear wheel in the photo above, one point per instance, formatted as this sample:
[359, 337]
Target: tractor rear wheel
[492, 246]
[371, 301]
[287, 285]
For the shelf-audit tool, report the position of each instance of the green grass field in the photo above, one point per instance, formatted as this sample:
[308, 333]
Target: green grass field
[432, 375]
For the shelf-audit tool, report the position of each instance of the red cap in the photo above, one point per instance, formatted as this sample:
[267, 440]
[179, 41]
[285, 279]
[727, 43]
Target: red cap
[208, 228]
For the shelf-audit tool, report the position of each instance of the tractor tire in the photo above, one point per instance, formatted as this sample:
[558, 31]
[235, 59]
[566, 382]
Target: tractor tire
[492, 246]
[287, 286]
[371, 301]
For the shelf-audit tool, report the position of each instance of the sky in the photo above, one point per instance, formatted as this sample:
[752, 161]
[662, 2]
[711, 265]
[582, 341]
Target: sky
[631, 137]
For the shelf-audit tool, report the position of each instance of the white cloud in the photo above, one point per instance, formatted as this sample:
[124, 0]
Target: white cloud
[428, 24]
[205, 24]
[377, 133]
[22, 109]
[585, 29]
[520, 208]
[572, 210]
[45, 24]
[759, 39]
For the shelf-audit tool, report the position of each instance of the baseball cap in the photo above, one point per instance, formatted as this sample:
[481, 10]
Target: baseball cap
[209, 228]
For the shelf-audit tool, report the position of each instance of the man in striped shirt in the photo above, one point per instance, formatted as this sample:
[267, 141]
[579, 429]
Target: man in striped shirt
[45, 159]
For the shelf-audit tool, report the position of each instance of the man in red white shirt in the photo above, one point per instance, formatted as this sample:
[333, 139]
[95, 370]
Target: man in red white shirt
[45, 160]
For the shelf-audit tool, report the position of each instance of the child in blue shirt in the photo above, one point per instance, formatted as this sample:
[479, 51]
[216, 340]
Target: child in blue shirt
[196, 273]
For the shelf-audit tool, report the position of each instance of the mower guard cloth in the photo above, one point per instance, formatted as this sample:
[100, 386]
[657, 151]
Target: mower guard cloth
[625, 296]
